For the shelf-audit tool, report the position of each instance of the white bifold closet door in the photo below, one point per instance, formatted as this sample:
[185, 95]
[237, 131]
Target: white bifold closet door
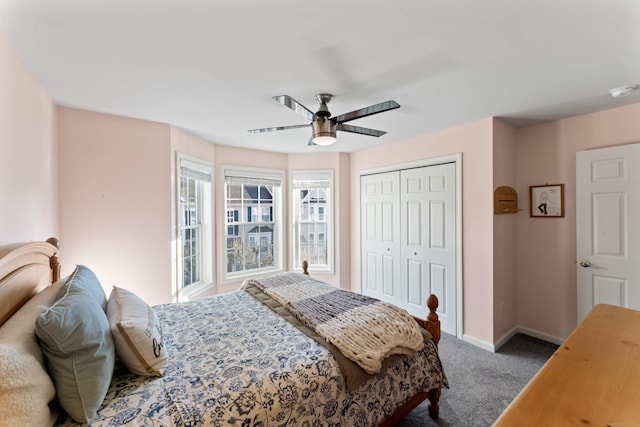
[408, 239]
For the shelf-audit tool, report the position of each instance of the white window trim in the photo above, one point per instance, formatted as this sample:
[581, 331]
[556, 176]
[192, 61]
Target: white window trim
[207, 278]
[278, 218]
[296, 175]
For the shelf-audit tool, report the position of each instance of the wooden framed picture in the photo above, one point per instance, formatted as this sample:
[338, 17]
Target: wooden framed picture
[547, 201]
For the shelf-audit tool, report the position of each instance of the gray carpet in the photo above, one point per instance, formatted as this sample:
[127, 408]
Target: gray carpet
[482, 384]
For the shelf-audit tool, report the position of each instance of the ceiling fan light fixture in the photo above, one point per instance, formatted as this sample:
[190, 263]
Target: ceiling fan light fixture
[324, 130]
[324, 139]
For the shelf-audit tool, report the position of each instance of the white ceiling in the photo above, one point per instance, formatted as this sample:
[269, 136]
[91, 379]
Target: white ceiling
[212, 66]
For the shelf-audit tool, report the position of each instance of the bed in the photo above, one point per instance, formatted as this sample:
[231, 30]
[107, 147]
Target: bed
[244, 358]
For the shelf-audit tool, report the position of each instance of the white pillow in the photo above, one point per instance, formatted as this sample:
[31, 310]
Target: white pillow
[26, 390]
[137, 333]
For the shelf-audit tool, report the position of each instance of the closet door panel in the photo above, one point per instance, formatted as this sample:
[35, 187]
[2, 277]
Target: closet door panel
[388, 275]
[437, 224]
[380, 231]
[440, 252]
[370, 269]
[438, 281]
[414, 223]
[415, 291]
[414, 185]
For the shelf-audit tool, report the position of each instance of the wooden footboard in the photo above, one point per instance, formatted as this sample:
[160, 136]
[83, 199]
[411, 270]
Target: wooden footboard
[432, 325]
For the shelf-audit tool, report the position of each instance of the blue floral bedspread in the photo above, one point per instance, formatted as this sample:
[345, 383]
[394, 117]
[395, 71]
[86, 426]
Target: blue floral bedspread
[233, 361]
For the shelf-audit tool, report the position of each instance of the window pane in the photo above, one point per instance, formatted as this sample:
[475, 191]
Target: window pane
[191, 254]
[190, 208]
[250, 234]
[312, 215]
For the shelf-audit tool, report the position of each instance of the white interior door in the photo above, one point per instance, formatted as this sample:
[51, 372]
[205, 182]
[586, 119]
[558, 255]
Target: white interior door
[408, 239]
[608, 227]
[428, 258]
[380, 236]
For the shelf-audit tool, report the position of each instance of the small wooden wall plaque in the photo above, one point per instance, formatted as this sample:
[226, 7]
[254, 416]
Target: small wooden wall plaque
[505, 200]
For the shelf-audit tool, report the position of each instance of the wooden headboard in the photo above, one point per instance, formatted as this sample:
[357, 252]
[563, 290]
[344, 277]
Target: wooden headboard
[26, 269]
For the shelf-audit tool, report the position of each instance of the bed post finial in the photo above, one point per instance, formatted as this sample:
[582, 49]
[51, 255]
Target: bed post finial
[432, 318]
[432, 303]
[54, 262]
[305, 267]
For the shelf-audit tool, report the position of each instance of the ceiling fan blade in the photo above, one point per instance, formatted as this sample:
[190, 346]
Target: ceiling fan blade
[278, 128]
[289, 102]
[367, 111]
[311, 143]
[360, 130]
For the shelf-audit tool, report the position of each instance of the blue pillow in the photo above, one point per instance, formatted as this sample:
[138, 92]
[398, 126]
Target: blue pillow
[84, 277]
[79, 351]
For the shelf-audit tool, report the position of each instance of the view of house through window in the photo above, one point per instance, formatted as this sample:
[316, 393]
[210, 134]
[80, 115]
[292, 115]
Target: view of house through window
[252, 202]
[312, 217]
[195, 230]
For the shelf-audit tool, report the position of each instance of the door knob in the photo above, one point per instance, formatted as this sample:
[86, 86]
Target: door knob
[585, 263]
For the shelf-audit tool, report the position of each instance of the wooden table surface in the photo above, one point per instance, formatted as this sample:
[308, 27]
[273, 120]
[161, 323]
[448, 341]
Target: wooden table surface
[593, 379]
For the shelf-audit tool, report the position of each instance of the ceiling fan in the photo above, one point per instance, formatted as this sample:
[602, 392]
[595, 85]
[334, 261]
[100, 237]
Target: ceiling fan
[323, 125]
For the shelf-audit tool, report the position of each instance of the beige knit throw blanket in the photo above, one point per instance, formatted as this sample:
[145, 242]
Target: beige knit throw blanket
[364, 329]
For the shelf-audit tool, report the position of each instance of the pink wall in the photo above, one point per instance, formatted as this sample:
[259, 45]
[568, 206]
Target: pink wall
[546, 247]
[475, 142]
[344, 207]
[115, 200]
[28, 156]
[505, 271]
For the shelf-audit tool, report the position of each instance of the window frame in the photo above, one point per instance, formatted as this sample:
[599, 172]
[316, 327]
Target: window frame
[296, 176]
[205, 206]
[278, 203]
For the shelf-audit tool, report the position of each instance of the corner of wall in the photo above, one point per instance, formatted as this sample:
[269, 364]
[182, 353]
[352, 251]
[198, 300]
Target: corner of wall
[29, 153]
[505, 277]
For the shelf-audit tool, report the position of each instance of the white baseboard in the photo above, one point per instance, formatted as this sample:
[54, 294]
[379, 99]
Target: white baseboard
[540, 335]
[478, 343]
[507, 336]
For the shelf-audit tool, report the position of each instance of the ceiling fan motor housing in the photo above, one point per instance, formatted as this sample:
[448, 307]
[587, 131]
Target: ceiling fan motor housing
[324, 129]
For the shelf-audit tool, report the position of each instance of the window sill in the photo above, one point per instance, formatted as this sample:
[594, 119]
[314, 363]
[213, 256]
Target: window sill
[240, 277]
[192, 292]
[320, 272]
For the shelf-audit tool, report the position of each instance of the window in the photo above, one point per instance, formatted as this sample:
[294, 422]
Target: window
[195, 230]
[312, 215]
[253, 202]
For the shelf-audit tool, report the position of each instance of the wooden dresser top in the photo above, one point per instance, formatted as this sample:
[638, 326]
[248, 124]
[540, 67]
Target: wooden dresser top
[593, 379]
